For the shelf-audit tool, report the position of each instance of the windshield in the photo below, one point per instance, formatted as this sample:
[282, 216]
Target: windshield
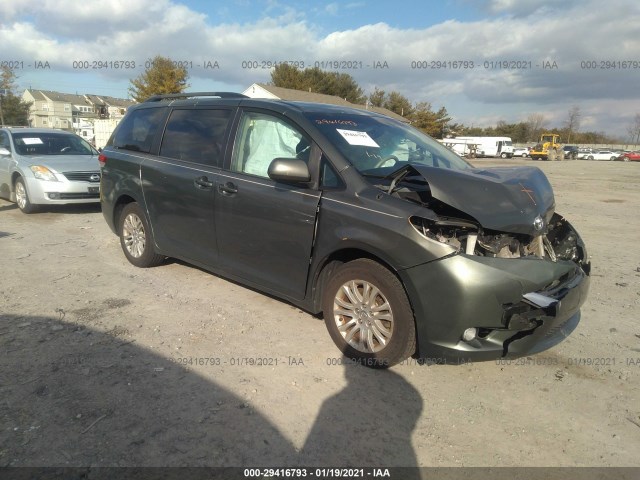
[377, 146]
[54, 143]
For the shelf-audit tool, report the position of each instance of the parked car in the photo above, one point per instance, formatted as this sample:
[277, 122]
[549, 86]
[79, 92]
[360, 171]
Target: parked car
[629, 157]
[602, 155]
[583, 153]
[521, 152]
[47, 167]
[406, 248]
[570, 151]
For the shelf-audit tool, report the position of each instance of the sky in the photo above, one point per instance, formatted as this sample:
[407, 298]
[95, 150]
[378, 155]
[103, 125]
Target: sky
[485, 61]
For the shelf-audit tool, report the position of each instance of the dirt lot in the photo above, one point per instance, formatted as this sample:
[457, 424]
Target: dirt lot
[102, 363]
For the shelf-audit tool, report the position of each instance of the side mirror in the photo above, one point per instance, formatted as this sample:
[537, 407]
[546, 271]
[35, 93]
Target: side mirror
[289, 170]
[4, 152]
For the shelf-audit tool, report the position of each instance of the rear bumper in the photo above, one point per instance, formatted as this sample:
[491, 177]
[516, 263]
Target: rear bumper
[518, 306]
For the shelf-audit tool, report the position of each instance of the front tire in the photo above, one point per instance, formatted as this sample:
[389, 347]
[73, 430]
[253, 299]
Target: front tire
[368, 314]
[136, 238]
[22, 197]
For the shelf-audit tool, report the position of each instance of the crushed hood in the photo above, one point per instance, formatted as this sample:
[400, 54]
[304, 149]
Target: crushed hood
[503, 199]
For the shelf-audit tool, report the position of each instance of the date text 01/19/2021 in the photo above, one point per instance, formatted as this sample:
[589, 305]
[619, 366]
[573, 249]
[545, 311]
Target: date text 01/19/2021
[302, 472]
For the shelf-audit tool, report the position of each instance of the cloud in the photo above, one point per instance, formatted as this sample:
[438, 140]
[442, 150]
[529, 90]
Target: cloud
[572, 38]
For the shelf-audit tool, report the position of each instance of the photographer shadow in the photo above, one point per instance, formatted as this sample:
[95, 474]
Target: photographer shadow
[369, 423]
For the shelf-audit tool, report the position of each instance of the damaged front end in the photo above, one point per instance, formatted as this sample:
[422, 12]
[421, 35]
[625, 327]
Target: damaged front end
[559, 241]
[521, 282]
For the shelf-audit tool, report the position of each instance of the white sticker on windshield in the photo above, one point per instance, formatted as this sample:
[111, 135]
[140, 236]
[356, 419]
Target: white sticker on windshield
[358, 138]
[32, 141]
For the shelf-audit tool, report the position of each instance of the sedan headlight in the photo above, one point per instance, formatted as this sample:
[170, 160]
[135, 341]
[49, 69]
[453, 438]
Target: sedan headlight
[43, 173]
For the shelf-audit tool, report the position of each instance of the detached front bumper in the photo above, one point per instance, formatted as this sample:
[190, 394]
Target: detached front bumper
[517, 306]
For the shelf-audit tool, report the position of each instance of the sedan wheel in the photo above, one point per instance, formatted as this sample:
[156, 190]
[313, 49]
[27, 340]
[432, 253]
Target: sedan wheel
[626, 159]
[136, 239]
[22, 197]
[368, 315]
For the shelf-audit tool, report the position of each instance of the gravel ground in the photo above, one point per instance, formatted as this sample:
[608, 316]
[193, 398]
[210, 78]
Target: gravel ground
[104, 364]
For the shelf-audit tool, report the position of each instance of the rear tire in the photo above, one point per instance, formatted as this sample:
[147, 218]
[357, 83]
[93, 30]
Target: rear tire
[136, 238]
[368, 314]
[22, 197]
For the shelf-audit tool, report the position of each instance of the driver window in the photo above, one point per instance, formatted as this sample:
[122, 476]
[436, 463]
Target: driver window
[261, 138]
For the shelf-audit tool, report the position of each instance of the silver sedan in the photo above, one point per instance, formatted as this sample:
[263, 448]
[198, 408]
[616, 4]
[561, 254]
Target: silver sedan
[47, 167]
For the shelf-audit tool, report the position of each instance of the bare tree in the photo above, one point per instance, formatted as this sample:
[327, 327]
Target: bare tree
[634, 130]
[535, 123]
[573, 121]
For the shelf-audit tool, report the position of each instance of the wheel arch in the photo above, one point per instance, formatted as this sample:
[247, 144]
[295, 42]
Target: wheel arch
[338, 257]
[122, 201]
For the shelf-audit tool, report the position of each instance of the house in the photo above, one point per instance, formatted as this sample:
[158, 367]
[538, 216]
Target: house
[52, 109]
[262, 90]
[109, 107]
[72, 112]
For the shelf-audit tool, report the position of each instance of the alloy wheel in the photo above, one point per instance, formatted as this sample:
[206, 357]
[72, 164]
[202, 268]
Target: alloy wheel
[363, 316]
[134, 236]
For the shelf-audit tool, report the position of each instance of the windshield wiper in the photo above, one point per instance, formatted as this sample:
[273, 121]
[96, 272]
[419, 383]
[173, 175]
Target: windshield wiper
[399, 175]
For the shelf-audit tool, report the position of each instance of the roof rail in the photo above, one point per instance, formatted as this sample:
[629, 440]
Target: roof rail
[157, 98]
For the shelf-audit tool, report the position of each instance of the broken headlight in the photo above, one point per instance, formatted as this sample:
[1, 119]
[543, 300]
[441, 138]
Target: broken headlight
[458, 234]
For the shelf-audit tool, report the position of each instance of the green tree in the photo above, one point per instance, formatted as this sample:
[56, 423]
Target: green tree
[394, 101]
[432, 123]
[377, 98]
[162, 76]
[398, 103]
[13, 109]
[318, 81]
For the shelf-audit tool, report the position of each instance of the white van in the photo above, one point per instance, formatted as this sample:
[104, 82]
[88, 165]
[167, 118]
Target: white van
[491, 146]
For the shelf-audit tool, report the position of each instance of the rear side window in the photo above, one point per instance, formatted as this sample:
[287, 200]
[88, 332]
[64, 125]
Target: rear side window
[138, 129]
[196, 135]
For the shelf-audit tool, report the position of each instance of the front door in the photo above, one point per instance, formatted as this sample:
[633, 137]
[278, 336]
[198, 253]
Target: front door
[264, 228]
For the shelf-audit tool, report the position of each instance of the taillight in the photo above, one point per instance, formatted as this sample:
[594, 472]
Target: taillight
[102, 159]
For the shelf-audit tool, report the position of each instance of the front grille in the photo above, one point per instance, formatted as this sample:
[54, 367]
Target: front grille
[82, 176]
[75, 196]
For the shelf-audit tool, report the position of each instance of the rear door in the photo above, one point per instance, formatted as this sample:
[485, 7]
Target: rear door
[265, 229]
[179, 183]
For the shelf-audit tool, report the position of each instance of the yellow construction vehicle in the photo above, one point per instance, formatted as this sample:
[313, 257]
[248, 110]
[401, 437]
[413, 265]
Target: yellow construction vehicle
[548, 148]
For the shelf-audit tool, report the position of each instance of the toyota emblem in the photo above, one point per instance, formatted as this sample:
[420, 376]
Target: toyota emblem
[95, 177]
[538, 223]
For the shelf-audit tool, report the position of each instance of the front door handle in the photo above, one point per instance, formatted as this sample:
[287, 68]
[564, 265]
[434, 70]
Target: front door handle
[203, 182]
[228, 188]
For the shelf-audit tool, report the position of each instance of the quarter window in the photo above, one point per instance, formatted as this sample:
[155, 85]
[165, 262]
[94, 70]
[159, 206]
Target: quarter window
[262, 138]
[137, 131]
[196, 135]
